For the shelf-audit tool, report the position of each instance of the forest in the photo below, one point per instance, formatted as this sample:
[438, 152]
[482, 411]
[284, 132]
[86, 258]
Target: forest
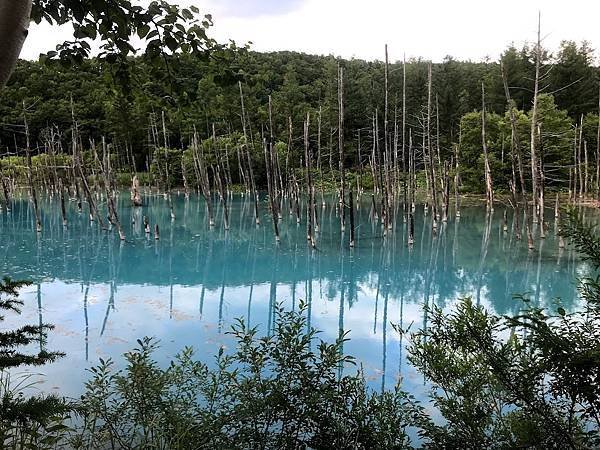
[139, 112]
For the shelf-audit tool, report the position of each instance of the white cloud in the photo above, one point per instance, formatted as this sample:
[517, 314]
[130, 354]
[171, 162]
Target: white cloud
[465, 29]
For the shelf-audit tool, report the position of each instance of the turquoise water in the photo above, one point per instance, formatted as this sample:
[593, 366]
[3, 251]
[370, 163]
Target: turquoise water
[188, 287]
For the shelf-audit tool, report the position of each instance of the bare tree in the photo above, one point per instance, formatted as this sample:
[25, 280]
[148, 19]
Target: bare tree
[489, 190]
[533, 134]
[341, 145]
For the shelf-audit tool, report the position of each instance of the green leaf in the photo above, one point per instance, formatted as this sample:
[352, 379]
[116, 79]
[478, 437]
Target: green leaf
[143, 31]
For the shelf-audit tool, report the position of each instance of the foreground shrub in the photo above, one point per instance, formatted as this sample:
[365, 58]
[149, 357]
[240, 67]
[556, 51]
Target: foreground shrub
[25, 421]
[276, 392]
[527, 381]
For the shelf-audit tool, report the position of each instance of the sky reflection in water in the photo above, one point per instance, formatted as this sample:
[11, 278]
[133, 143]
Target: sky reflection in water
[189, 286]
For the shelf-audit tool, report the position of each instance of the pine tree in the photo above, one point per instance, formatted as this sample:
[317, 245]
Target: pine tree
[20, 414]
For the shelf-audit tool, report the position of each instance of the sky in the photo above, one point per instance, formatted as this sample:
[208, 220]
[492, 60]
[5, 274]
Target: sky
[431, 29]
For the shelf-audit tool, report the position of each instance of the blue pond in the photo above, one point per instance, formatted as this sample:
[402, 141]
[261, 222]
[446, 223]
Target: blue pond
[188, 287]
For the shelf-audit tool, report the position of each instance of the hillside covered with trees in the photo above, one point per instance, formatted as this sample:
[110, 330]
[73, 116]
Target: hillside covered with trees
[142, 111]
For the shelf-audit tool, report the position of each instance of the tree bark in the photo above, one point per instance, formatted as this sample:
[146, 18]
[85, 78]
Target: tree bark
[404, 129]
[351, 211]
[598, 152]
[489, 190]
[341, 146]
[429, 160]
[534, 174]
[457, 173]
[515, 149]
[386, 154]
[14, 23]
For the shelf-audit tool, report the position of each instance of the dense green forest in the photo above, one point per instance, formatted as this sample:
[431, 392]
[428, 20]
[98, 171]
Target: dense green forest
[204, 95]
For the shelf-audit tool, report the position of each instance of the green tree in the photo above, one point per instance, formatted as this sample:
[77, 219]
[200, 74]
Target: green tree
[472, 173]
[575, 79]
[25, 421]
[557, 134]
[520, 71]
[163, 28]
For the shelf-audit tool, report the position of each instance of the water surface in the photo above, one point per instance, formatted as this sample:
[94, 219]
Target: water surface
[189, 286]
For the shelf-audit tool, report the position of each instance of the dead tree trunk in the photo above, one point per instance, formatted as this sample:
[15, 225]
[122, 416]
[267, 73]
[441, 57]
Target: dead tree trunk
[430, 159]
[534, 111]
[411, 229]
[319, 166]
[63, 210]
[273, 207]
[32, 190]
[203, 179]
[516, 149]
[341, 146]
[77, 160]
[386, 152]
[446, 193]
[310, 210]
[580, 168]
[273, 163]
[411, 173]
[574, 192]
[248, 157]
[404, 131]
[186, 186]
[351, 211]
[38, 222]
[136, 198]
[5, 188]
[219, 177]
[542, 183]
[113, 216]
[598, 152]
[440, 169]
[457, 173]
[489, 190]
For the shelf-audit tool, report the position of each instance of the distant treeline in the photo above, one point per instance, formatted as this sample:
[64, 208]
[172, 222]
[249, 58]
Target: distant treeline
[204, 95]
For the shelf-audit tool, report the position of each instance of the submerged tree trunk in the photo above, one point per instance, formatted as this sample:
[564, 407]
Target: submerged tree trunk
[457, 174]
[38, 222]
[386, 154]
[248, 157]
[598, 152]
[272, 202]
[404, 131]
[351, 211]
[430, 161]
[489, 190]
[516, 149]
[310, 206]
[36, 209]
[136, 198]
[14, 24]
[106, 170]
[5, 190]
[534, 164]
[63, 210]
[446, 193]
[341, 145]
[542, 181]
[203, 179]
